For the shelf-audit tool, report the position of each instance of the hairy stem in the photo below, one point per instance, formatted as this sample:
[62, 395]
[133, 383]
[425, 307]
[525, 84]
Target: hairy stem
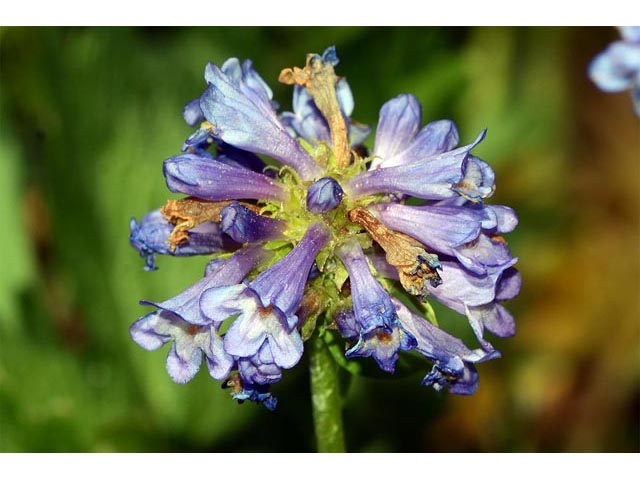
[325, 398]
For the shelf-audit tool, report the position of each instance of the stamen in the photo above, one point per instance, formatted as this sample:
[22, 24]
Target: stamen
[319, 78]
[414, 264]
[384, 336]
[194, 330]
[499, 239]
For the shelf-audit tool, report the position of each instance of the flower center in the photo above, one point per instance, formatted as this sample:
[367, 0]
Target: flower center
[265, 312]
[384, 336]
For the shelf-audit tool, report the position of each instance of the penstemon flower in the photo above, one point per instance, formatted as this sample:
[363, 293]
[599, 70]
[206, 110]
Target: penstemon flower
[618, 67]
[325, 242]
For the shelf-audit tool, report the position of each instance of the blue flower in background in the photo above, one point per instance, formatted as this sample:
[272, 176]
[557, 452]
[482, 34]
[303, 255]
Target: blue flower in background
[617, 69]
[318, 238]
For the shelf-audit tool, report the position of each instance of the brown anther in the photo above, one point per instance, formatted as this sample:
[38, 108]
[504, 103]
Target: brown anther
[384, 336]
[188, 213]
[264, 312]
[193, 330]
[499, 239]
[206, 125]
[462, 185]
[234, 382]
[320, 81]
[405, 253]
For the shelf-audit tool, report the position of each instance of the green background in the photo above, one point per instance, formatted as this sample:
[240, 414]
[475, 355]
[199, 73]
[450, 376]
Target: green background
[88, 115]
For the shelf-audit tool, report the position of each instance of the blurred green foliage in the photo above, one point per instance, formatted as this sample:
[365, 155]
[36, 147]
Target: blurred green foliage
[88, 115]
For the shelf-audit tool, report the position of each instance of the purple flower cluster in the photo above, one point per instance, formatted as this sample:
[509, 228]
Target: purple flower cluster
[328, 226]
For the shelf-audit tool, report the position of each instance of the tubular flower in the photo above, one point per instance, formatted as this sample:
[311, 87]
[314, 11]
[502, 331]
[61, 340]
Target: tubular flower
[150, 237]
[618, 67]
[324, 244]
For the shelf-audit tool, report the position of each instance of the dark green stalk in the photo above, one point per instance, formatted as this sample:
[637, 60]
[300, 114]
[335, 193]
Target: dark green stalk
[325, 398]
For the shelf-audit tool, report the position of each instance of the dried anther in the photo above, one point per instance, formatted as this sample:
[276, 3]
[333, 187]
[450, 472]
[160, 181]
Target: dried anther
[188, 213]
[319, 78]
[414, 264]
[234, 382]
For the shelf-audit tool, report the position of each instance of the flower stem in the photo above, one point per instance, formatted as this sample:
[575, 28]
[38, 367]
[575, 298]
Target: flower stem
[325, 398]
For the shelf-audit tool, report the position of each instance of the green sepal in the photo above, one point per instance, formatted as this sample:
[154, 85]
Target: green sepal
[308, 327]
[275, 244]
[321, 258]
[364, 240]
[339, 276]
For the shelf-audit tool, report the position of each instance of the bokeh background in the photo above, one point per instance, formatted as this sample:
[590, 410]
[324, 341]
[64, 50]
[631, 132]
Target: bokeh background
[88, 115]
